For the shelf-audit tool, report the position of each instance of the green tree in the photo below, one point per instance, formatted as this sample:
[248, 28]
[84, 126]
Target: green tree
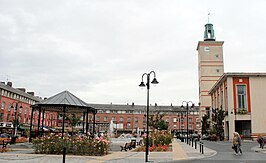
[156, 121]
[73, 119]
[205, 125]
[217, 119]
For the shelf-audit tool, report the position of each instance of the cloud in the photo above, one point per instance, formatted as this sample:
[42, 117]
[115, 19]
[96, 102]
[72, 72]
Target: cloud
[99, 49]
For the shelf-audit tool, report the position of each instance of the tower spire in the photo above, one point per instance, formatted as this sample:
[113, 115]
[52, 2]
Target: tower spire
[209, 32]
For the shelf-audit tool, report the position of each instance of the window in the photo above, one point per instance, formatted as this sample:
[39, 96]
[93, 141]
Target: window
[128, 119]
[144, 119]
[105, 119]
[175, 119]
[8, 118]
[189, 119]
[128, 125]
[189, 126]
[3, 105]
[241, 96]
[9, 107]
[136, 119]
[121, 119]
[1, 117]
[97, 118]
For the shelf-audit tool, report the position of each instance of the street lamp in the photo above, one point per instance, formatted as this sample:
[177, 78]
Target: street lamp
[154, 81]
[15, 116]
[191, 107]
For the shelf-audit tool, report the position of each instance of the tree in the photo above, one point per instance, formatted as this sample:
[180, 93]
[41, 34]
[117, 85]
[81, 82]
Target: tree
[217, 119]
[73, 120]
[156, 121]
[205, 125]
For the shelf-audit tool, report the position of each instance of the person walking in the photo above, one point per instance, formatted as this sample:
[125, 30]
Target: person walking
[237, 144]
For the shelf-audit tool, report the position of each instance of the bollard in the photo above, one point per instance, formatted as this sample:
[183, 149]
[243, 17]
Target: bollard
[200, 147]
[64, 154]
[195, 144]
[192, 142]
[202, 150]
[189, 142]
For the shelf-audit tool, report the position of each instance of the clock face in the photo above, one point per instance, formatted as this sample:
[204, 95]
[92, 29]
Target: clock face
[206, 48]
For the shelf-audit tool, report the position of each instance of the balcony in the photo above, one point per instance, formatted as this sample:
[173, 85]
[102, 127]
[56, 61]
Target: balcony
[242, 111]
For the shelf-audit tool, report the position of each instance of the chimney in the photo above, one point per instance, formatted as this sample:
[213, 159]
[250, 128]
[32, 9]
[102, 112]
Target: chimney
[31, 93]
[155, 104]
[9, 84]
[2, 82]
[133, 104]
[22, 89]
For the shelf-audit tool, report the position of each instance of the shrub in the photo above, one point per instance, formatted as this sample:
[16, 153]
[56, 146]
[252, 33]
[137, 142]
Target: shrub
[77, 145]
[158, 141]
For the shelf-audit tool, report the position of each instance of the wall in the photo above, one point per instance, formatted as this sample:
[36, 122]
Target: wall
[258, 104]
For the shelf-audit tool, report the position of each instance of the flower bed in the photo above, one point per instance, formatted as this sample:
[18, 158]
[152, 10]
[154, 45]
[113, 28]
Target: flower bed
[159, 148]
[158, 142]
[76, 145]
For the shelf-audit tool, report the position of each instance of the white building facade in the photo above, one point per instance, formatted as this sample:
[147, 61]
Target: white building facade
[242, 97]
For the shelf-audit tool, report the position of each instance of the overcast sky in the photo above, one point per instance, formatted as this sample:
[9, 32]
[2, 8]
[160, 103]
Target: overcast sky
[99, 49]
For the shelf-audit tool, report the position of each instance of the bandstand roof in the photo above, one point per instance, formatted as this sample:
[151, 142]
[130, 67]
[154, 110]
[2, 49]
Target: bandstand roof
[66, 100]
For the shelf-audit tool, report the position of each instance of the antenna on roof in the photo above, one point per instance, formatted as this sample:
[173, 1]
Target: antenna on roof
[209, 18]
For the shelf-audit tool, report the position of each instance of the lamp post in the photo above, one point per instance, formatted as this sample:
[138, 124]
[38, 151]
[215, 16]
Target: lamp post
[15, 116]
[154, 81]
[191, 107]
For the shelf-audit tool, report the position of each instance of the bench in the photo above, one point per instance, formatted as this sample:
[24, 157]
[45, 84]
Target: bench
[133, 144]
[140, 143]
[4, 143]
[126, 147]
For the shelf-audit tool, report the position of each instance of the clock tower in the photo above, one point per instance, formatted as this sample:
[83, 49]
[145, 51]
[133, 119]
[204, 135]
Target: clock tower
[210, 67]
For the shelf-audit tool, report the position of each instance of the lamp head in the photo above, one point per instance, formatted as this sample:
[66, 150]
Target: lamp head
[142, 84]
[154, 81]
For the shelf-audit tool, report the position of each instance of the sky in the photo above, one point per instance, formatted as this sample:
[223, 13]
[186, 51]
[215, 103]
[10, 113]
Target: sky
[99, 49]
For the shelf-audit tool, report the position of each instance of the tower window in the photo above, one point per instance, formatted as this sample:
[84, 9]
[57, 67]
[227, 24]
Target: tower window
[217, 70]
[217, 55]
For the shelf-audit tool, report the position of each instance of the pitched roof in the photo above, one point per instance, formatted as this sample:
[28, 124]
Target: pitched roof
[65, 98]
[19, 92]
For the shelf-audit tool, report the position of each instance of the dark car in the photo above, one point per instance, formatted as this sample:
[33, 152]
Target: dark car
[5, 135]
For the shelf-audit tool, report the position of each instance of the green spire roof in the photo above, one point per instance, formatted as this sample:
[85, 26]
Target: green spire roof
[209, 33]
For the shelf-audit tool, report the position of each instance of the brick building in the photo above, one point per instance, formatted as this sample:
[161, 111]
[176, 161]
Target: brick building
[126, 118]
[15, 107]
[131, 118]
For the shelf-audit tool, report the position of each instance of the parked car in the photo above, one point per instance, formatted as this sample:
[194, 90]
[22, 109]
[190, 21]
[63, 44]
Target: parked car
[4, 135]
[205, 137]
